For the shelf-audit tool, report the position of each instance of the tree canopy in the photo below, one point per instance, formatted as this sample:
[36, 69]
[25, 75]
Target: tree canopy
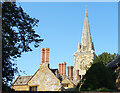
[98, 77]
[105, 58]
[17, 35]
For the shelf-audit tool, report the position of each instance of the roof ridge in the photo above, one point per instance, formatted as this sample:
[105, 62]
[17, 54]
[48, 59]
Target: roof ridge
[33, 75]
[26, 76]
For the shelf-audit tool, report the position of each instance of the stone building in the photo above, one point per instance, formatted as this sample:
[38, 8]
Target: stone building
[85, 52]
[46, 79]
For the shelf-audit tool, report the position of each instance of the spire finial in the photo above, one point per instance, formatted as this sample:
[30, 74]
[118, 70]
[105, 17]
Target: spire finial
[86, 7]
[85, 10]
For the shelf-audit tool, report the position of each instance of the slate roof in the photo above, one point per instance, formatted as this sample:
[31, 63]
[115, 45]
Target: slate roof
[115, 63]
[22, 80]
[54, 70]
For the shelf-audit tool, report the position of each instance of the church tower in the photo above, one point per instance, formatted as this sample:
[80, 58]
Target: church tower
[85, 52]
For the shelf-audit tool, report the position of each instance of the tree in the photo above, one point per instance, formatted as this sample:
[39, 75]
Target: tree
[17, 35]
[98, 77]
[105, 58]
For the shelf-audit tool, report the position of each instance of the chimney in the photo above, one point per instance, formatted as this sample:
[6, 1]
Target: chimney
[70, 71]
[46, 55]
[78, 76]
[42, 55]
[64, 68]
[59, 69]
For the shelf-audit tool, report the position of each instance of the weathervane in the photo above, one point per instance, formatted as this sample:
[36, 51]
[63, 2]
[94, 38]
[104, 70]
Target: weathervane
[86, 7]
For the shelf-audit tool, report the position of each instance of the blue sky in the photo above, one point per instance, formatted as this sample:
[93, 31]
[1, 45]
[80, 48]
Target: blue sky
[61, 27]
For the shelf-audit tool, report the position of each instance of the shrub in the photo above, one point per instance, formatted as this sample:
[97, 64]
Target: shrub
[98, 77]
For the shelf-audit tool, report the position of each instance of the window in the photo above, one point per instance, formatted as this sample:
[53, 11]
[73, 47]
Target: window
[33, 88]
[65, 85]
[84, 48]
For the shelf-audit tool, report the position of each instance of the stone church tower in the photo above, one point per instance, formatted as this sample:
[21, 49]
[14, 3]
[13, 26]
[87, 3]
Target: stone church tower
[85, 52]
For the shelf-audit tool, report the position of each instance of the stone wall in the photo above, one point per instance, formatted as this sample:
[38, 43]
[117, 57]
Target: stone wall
[21, 88]
[67, 81]
[45, 80]
[82, 62]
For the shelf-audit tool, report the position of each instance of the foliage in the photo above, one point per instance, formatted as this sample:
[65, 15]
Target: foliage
[104, 90]
[17, 35]
[6, 89]
[98, 76]
[105, 58]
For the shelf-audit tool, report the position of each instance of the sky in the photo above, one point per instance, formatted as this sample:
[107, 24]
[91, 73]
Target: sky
[61, 25]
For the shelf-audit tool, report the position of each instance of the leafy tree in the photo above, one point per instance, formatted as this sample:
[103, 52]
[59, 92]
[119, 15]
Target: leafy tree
[98, 77]
[17, 35]
[105, 58]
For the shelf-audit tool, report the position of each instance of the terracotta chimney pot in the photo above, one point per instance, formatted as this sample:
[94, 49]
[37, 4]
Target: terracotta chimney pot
[42, 55]
[47, 55]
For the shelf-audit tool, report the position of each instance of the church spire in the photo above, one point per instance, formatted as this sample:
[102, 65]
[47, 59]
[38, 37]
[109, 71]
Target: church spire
[86, 43]
[78, 49]
[86, 11]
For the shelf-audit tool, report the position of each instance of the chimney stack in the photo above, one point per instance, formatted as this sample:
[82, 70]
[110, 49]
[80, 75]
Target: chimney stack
[70, 71]
[42, 55]
[59, 69]
[46, 55]
[78, 76]
[62, 68]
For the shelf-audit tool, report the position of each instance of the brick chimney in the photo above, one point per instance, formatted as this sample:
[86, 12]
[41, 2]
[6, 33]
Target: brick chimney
[59, 69]
[46, 55]
[42, 55]
[64, 68]
[70, 71]
[78, 76]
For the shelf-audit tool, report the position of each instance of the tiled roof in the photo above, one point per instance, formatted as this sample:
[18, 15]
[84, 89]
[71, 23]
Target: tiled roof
[64, 76]
[22, 80]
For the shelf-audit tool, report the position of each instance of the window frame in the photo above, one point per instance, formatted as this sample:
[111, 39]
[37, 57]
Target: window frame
[33, 88]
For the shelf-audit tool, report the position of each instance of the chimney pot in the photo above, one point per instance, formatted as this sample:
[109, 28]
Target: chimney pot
[59, 69]
[42, 55]
[47, 55]
[70, 71]
[64, 68]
